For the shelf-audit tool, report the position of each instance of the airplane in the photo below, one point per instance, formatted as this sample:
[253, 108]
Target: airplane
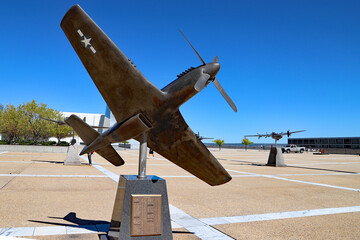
[201, 137]
[139, 107]
[274, 135]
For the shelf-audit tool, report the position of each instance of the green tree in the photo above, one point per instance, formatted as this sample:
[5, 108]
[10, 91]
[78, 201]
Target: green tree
[219, 142]
[10, 122]
[33, 127]
[60, 131]
[246, 142]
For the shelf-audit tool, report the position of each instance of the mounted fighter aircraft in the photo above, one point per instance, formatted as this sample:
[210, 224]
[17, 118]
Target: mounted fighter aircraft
[274, 135]
[138, 106]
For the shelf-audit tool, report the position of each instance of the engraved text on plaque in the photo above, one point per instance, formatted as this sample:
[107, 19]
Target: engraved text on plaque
[146, 214]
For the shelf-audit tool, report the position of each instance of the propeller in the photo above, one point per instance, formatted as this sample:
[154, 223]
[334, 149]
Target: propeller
[51, 120]
[201, 83]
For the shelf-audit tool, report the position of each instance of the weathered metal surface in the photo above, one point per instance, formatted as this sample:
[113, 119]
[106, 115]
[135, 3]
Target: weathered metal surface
[88, 135]
[145, 214]
[127, 93]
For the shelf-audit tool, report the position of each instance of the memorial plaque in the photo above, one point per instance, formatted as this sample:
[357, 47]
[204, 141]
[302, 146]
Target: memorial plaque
[146, 214]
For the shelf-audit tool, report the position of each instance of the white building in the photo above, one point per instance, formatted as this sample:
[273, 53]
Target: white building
[95, 119]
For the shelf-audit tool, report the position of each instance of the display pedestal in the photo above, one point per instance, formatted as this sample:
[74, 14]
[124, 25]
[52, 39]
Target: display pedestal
[141, 209]
[276, 158]
[72, 156]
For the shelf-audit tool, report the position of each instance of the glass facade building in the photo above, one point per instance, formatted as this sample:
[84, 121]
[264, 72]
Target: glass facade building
[331, 142]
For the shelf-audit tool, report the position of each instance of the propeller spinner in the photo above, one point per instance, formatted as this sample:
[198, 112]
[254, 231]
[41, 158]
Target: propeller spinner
[202, 81]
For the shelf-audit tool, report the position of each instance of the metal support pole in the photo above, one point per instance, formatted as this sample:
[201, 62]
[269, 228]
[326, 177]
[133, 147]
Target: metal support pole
[142, 156]
[275, 143]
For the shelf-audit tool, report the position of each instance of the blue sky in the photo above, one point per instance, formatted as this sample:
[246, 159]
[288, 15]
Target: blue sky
[286, 64]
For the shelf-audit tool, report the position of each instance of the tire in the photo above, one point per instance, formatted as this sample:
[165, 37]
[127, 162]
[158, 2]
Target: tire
[301, 150]
[288, 150]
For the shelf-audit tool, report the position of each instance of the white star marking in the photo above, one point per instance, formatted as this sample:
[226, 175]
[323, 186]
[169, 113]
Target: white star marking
[86, 41]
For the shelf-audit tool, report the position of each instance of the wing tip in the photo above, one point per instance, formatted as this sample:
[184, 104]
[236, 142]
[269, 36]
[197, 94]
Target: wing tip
[227, 178]
[74, 8]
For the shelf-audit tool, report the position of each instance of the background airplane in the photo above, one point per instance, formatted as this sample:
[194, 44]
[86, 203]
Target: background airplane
[274, 135]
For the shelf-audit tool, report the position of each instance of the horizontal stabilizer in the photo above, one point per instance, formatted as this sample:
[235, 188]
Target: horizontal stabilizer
[88, 135]
[130, 128]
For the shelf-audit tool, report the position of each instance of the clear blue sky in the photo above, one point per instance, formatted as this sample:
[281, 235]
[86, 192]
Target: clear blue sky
[286, 64]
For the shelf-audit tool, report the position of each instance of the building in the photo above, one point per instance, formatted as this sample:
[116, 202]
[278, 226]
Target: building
[93, 119]
[342, 145]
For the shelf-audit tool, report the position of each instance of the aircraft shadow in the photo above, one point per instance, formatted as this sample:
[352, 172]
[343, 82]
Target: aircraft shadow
[48, 161]
[261, 164]
[74, 221]
[323, 169]
[86, 224]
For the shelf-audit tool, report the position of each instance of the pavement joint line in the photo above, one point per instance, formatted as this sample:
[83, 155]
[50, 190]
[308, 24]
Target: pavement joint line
[194, 225]
[47, 175]
[280, 215]
[298, 181]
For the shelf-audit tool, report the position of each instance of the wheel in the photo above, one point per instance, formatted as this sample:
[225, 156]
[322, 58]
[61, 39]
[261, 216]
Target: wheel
[288, 150]
[301, 150]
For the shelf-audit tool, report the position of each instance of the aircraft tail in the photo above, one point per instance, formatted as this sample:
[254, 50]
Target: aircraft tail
[88, 135]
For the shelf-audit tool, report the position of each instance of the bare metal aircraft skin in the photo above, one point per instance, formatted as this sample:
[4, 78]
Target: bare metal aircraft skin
[274, 135]
[138, 105]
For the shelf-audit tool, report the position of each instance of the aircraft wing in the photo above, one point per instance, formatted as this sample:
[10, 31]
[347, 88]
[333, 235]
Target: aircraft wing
[118, 80]
[173, 139]
[297, 131]
[254, 135]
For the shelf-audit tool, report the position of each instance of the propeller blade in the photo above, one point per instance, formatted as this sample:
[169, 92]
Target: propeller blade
[192, 47]
[51, 120]
[224, 94]
[201, 83]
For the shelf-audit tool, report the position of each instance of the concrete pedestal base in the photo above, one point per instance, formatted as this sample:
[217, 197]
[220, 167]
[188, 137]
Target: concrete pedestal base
[276, 158]
[72, 156]
[141, 209]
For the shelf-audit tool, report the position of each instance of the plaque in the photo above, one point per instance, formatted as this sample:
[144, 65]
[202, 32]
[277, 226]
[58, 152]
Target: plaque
[146, 215]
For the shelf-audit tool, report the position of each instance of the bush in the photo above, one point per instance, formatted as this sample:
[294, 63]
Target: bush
[63, 143]
[48, 143]
[3, 142]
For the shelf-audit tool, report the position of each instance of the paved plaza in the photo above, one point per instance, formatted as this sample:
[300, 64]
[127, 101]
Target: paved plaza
[314, 197]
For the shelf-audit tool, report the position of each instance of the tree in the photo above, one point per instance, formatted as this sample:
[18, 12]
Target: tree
[60, 131]
[10, 122]
[246, 142]
[219, 142]
[34, 127]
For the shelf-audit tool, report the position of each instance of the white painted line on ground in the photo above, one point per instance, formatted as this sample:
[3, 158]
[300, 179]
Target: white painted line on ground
[3, 152]
[322, 163]
[298, 181]
[47, 175]
[281, 215]
[194, 225]
[135, 154]
[199, 228]
[53, 230]
[111, 175]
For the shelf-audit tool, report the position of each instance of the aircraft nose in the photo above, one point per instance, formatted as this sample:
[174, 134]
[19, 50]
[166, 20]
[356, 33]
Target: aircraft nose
[212, 69]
